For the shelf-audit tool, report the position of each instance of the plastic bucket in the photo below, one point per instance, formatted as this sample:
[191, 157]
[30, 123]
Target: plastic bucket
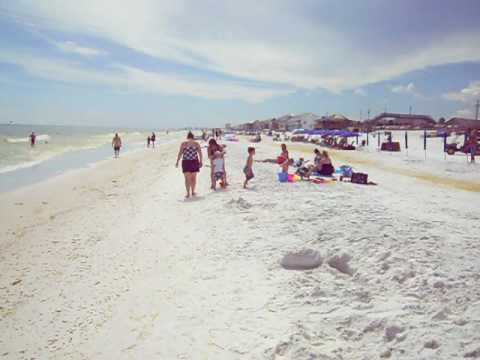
[290, 177]
[282, 177]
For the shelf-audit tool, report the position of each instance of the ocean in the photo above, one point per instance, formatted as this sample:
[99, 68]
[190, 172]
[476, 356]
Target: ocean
[58, 148]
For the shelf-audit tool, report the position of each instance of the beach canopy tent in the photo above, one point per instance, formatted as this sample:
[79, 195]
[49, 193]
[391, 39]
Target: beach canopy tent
[326, 132]
[300, 132]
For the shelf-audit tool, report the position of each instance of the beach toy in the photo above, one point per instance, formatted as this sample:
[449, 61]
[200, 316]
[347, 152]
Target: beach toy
[282, 177]
[290, 177]
[296, 178]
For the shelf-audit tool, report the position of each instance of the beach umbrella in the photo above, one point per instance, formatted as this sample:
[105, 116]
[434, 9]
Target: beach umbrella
[406, 141]
[425, 142]
[445, 145]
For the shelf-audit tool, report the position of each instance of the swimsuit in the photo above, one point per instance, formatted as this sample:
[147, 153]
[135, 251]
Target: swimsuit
[190, 161]
[248, 172]
[218, 166]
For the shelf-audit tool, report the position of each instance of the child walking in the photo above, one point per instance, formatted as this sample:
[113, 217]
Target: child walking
[247, 170]
[218, 164]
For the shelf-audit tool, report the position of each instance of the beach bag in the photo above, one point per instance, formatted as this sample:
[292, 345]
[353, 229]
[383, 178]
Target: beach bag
[359, 178]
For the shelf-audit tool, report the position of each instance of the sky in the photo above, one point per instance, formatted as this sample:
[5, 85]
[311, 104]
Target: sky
[158, 64]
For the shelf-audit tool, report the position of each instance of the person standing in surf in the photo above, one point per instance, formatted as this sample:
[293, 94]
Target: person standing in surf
[116, 144]
[152, 139]
[191, 155]
[33, 138]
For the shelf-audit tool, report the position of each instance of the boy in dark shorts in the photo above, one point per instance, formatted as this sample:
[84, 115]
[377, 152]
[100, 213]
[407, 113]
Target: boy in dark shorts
[247, 170]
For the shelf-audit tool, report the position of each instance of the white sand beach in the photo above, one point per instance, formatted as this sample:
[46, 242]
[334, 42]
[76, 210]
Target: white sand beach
[110, 262]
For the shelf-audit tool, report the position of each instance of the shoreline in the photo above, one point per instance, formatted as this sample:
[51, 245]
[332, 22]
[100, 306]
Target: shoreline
[42, 170]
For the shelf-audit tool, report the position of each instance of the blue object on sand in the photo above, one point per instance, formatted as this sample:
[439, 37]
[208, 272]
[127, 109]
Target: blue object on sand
[282, 176]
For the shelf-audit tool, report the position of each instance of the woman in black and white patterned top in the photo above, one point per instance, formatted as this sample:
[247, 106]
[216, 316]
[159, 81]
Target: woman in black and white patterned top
[191, 155]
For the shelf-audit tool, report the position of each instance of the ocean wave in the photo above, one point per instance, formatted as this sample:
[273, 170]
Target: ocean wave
[39, 138]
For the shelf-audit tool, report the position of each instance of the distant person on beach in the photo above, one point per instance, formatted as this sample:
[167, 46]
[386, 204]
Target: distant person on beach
[148, 141]
[322, 164]
[284, 159]
[213, 147]
[218, 166]
[152, 139]
[248, 169]
[191, 155]
[116, 144]
[317, 165]
[326, 168]
[33, 138]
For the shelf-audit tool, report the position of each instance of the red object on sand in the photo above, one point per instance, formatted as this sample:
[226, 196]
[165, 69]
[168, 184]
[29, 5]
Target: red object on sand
[280, 160]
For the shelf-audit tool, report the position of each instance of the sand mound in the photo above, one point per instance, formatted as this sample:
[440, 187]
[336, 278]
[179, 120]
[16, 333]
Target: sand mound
[341, 264]
[302, 260]
[391, 332]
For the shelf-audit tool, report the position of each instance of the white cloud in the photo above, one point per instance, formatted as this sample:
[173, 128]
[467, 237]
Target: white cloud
[274, 43]
[468, 94]
[360, 91]
[72, 47]
[465, 113]
[408, 89]
[123, 77]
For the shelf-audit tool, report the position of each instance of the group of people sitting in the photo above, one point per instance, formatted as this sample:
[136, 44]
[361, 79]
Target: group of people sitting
[322, 165]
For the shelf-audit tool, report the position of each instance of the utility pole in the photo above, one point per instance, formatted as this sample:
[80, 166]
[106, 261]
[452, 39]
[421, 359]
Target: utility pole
[410, 110]
[361, 115]
[368, 113]
[477, 106]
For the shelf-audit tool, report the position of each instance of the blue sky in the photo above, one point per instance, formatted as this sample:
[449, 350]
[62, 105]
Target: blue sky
[182, 63]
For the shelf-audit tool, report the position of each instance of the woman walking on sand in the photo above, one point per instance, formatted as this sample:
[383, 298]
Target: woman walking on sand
[191, 155]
